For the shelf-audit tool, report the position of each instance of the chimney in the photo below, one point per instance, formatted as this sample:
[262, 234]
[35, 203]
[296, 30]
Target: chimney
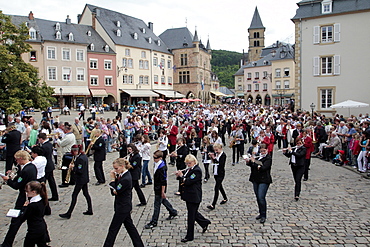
[30, 16]
[93, 20]
[150, 25]
[68, 20]
[97, 11]
[78, 18]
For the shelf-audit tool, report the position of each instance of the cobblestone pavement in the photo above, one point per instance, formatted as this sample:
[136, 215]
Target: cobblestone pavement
[333, 211]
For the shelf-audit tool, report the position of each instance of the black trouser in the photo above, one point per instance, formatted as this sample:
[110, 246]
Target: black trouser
[279, 140]
[218, 188]
[14, 226]
[139, 192]
[223, 139]
[194, 215]
[170, 150]
[238, 149]
[327, 152]
[10, 161]
[82, 115]
[99, 173]
[164, 156]
[206, 168]
[115, 225]
[49, 176]
[32, 240]
[307, 163]
[76, 191]
[298, 172]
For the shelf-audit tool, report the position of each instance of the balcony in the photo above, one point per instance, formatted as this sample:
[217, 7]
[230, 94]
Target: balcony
[248, 79]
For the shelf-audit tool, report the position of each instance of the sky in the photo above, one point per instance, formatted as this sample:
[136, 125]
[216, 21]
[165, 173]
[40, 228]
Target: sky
[225, 23]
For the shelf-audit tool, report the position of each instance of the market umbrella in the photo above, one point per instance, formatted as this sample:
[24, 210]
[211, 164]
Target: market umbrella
[170, 100]
[349, 104]
[142, 102]
[183, 100]
[198, 100]
[161, 100]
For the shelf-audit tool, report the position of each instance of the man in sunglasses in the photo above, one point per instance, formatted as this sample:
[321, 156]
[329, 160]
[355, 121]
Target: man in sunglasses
[160, 185]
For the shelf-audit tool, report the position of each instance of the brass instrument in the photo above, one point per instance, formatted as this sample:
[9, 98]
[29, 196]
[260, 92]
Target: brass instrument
[93, 140]
[126, 157]
[68, 177]
[233, 142]
[13, 173]
[284, 149]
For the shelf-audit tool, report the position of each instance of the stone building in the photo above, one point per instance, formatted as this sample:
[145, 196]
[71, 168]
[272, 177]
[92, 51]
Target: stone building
[192, 64]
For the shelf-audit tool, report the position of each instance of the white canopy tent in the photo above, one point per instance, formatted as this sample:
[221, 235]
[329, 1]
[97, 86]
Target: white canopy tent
[349, 104]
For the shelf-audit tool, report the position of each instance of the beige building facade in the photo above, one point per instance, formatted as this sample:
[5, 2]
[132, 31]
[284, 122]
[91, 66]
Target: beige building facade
[332, 64]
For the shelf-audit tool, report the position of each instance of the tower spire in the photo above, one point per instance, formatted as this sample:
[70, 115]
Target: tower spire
[256, 20]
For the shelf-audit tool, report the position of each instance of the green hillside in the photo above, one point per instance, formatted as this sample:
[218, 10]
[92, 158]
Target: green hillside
[225, 64]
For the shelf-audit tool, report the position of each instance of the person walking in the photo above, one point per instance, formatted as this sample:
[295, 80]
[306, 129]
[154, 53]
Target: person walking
[99, 156]
[297, 157]
[135, 162]
[160, 187]
[12, 139]
[191, 193]
[33, 212]
[121, 189]
[145, 154]
[80, 169]
[218, 161]
[261, 179]
[26, 174]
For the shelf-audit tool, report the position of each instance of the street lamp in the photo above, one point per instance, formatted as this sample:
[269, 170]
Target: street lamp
[312, 108]
[61, 100]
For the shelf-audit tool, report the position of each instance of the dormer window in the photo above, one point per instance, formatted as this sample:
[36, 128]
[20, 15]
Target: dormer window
[143, 30]
[159, 43]
[326, 6]
[58, 35]
[265, 62]
[70, 36]
[118, 24]
[57, 26]
[135, 36]
[92, 46]
[106, 48]
[119, 33]
[89, 33]
[32, 33]
[150, 40]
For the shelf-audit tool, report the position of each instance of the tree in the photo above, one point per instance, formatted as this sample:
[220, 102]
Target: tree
[19, 83]
[225, 64]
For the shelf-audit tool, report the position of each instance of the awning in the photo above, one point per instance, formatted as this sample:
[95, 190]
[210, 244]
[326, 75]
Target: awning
[217, 93]
[71, 90]
[101, 93]
[170, 93]
[140, 93]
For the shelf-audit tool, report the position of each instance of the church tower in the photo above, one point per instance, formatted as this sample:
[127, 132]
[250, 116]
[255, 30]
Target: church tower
[256, 37]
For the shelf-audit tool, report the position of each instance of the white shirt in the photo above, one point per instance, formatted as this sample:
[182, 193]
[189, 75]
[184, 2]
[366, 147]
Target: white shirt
[36, 198]
[145, 151]
[163, 142]
[40, 163]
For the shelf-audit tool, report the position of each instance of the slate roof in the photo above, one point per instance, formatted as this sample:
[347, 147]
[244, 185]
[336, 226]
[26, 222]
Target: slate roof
[45, 30]
[240, 71]
[256, 21]
[129, 26]
[95, 39]
[176, 37]
[285, 51]
[226, 91]
[308, 9]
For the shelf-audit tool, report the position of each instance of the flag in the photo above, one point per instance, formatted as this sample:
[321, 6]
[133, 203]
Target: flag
[174, 68]
[202, 84]
[160, 66]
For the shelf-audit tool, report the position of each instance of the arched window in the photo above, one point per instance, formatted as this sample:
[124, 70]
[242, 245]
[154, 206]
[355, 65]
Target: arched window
[32, 33]
[89, 33]
[58, 35]
[92, 46]
[57, 26]
[159, 43]
[70, 36]
[118, 24]
[106, 48]
[150, 40]
[135, 36]
[118, 33]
